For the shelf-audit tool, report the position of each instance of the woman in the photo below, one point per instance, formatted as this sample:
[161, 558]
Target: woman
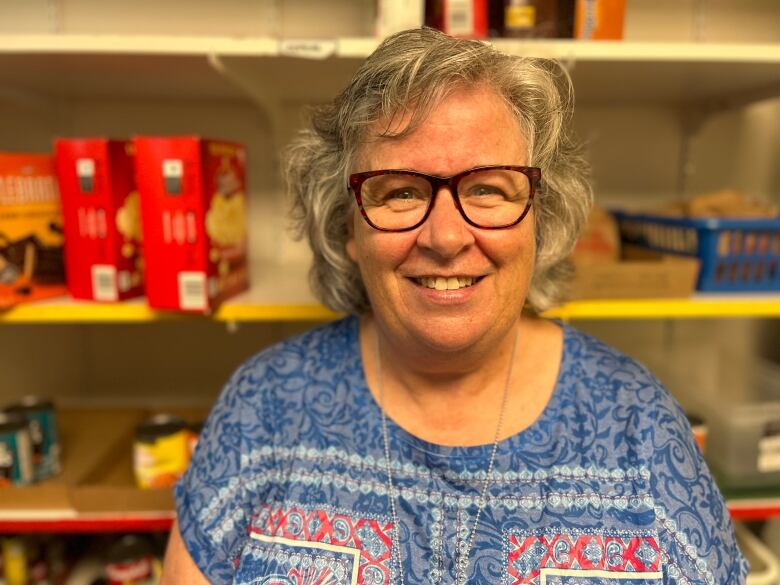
[444, 435]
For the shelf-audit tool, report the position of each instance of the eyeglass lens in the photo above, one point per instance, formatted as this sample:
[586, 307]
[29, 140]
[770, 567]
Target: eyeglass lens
[489, 198]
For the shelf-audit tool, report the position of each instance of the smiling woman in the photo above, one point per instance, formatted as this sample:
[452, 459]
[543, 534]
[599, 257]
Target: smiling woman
[442, 433]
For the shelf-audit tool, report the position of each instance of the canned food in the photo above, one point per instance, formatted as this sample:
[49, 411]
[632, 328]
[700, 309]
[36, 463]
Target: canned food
[160, 453]
[15, 561]
[130, 562]
[16, 454]
[42, 419]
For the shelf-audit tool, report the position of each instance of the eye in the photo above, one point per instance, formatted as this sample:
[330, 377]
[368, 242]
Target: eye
[478, 190]
[405, 193]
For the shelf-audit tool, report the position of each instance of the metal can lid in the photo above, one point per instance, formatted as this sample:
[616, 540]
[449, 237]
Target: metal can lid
[159, 425]
[11, 422]
[31, 404]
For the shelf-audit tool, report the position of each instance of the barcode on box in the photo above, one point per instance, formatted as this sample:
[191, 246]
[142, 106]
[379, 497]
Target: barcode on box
[192, 291]
[459, 17]
[104, 283]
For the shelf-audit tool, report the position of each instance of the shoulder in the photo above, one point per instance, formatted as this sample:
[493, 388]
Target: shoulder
[602, 373]
[320, 353]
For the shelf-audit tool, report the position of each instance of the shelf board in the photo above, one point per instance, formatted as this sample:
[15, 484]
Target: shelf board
[250, 308]
[89, 66]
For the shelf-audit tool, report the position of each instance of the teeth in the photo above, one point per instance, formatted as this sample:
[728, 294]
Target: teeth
[441, 283]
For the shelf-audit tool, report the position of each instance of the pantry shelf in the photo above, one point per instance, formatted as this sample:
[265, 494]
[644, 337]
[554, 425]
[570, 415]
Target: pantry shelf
[247, 308]
[89, 66]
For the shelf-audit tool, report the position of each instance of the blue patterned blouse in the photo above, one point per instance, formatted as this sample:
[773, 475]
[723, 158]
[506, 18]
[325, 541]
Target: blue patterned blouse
[288, 483]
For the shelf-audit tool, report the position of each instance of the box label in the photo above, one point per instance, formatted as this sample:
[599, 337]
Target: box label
[192, 291]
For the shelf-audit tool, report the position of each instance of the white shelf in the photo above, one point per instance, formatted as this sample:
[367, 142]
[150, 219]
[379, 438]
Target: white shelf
[89, 66]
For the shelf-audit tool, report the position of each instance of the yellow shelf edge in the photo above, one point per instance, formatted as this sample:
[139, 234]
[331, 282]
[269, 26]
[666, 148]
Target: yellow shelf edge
[136, 312]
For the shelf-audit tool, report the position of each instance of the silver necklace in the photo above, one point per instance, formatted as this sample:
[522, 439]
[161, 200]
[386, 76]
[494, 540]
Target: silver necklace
[464, 558]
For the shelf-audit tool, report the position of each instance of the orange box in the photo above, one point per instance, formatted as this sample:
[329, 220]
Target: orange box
[31, 263]
[599, 19]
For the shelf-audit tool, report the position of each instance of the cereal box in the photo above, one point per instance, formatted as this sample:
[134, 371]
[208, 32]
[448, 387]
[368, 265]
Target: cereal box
[102, 218]
[193, 206]
[31, 265]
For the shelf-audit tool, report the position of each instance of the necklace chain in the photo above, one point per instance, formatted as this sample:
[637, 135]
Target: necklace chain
[464, 557]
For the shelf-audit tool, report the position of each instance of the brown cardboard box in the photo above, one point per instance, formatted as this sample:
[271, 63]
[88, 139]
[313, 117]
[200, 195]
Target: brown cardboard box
[638, 275]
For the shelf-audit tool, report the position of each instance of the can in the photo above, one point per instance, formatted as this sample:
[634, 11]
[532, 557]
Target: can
[42, 418]
[16, 454]
[160, 452]
[130, 562]
[15, 561]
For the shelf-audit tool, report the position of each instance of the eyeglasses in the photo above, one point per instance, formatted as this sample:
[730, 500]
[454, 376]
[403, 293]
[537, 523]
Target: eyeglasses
[490, 197]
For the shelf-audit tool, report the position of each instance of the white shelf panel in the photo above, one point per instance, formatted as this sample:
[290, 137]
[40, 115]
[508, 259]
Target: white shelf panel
[89, 66]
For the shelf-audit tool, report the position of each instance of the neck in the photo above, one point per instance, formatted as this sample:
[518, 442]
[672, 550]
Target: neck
[444, 398]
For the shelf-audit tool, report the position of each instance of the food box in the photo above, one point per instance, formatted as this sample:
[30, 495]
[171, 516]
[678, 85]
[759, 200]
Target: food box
[102, 222]
[459, 18]
[637, 275]
[193, 208]
[31, 263]
[599, 19]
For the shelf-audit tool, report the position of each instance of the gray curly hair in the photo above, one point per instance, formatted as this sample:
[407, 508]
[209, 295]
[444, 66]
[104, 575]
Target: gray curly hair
[417, 69]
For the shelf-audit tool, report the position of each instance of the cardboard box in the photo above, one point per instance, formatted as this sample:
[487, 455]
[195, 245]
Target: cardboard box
[635, 277]
[101, 213]
[31, 263]
[459, 18]
[193, 202]
[599, 19]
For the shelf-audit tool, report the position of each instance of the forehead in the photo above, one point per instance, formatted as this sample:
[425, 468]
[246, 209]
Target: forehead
[468, 128]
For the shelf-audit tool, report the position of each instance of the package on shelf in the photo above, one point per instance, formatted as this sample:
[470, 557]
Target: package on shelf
[193, 216]
[535, 19]
[31, 263]
[744, 430]
[459, 18]
[102, 221]
[393, 16]
[599, 19]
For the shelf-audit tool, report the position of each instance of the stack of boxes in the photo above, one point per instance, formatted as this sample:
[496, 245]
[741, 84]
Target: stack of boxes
[163, 217]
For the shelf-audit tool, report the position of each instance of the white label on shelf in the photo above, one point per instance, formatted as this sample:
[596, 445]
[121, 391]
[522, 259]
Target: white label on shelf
[459, 17]
[192, 291]
[769, 450]
[104, 283]
[307, 48]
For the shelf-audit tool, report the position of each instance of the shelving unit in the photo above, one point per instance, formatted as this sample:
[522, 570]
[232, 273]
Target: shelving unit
[70, 82]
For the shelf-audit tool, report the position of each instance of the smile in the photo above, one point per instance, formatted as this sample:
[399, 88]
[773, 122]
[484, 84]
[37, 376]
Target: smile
[447, 283]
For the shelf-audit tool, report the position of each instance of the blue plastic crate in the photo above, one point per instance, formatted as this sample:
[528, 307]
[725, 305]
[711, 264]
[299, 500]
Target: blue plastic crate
[737, 255]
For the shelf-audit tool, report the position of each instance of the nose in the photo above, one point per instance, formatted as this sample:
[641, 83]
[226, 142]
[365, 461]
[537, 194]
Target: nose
[445, 232]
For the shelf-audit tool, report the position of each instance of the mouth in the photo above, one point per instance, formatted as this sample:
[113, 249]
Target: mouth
[447, 282]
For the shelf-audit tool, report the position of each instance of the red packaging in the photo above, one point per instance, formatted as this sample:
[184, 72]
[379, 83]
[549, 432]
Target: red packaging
[31, 265]
[102, 222]
[459, 18]
[193, 202]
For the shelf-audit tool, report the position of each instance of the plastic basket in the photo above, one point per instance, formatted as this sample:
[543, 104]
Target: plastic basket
[736, 255]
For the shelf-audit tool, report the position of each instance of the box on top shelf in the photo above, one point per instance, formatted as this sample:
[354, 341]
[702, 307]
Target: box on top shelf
[101, 212]
[599, 19]
[31, 265]
[193, 202]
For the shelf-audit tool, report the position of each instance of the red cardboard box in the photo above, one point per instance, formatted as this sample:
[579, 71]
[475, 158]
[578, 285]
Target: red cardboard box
[31, 265]
[101, 210]
[193, 202]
